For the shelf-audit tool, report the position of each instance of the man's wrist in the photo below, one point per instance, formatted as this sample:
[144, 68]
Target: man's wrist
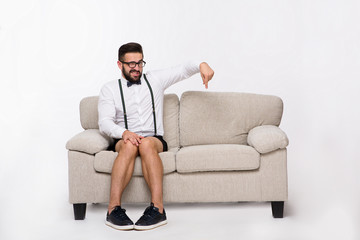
[203, 64]
[122, 134]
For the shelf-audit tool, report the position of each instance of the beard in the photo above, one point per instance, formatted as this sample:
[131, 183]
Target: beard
[129, 77]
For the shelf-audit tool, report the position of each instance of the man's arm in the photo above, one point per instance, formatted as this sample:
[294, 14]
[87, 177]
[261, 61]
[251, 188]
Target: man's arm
[170, 76]
[107, 114]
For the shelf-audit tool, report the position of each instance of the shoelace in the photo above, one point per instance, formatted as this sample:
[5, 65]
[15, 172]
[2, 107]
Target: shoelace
[151, 212]
[119, 213]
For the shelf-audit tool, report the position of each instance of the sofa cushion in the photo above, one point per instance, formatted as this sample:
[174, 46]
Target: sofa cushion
[104, 161]
[171, 120]
[219, 157]
[89, 112]
[225, 118]
[267, 138]
[89, 141]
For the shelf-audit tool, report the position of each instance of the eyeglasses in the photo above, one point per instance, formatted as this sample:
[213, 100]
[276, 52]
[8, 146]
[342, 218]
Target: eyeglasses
[140, 63]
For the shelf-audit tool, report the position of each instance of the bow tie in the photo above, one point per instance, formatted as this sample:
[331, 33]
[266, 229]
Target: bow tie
[130, 83]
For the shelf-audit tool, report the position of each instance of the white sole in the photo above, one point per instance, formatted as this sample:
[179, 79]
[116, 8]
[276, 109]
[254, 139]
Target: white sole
[142, 228]
[117, 227]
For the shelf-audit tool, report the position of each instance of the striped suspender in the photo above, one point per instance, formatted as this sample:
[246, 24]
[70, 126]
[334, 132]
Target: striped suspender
[152, 100]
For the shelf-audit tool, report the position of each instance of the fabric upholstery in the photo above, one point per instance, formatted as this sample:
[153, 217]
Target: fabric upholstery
[233, 186]
[273, 175]
[171, 120]
[268, 183]
[200, 187]
[89, 112]
[225, 118]
[104, 161]
[267, 138]
[89, 141]
[85, 184]
[219, 157]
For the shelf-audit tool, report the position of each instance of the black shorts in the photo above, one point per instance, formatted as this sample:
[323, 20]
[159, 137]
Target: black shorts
[164, 143]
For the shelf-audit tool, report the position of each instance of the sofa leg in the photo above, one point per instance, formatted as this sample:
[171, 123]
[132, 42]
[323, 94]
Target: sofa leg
[277, 209]
[79, 211]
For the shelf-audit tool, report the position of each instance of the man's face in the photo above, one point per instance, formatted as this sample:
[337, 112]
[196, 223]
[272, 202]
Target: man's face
[131, 74]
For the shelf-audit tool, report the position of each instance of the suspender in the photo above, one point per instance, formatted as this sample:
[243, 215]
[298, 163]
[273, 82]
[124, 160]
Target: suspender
[152, 100]
[153, 104]
[123, 104]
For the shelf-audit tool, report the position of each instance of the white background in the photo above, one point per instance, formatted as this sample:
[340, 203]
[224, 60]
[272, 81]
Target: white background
[54, 53]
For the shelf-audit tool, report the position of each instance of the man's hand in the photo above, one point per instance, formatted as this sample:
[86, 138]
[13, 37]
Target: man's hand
[132, 137]
[206, 73]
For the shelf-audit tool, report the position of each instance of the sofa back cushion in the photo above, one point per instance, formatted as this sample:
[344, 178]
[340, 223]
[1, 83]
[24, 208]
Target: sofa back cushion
[225, 118]
[89, 117]
[171, 120]
[89, 112]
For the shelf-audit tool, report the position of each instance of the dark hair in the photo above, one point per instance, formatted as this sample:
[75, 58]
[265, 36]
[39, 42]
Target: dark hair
[129, 47]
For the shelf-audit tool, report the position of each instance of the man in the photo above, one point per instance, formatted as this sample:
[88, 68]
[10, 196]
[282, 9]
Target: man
[126, 114]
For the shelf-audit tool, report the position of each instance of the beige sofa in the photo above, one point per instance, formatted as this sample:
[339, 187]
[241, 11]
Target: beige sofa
[223, 147]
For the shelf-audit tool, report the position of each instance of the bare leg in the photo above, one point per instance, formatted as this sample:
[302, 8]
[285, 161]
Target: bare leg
[122, 171]
[152, 168]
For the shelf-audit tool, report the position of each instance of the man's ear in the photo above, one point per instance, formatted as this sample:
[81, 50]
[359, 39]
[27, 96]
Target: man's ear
[119, 64]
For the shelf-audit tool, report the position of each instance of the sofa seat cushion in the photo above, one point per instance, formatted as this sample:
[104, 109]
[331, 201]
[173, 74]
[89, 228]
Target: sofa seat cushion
[104, 161]
[217, 157]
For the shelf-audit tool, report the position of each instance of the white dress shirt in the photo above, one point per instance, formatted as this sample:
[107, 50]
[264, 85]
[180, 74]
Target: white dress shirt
[138, 102]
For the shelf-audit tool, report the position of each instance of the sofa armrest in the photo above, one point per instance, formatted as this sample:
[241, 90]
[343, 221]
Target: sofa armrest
[89, 141]
[267, 138]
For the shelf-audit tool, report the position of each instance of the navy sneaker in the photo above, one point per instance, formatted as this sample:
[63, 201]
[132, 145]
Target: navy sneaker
[152, 218]
[119, 220]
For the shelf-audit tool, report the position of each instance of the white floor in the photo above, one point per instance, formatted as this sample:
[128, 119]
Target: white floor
[186, 221]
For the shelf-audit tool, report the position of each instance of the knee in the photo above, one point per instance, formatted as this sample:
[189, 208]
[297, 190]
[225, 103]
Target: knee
[147, 146]
[128, 149]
